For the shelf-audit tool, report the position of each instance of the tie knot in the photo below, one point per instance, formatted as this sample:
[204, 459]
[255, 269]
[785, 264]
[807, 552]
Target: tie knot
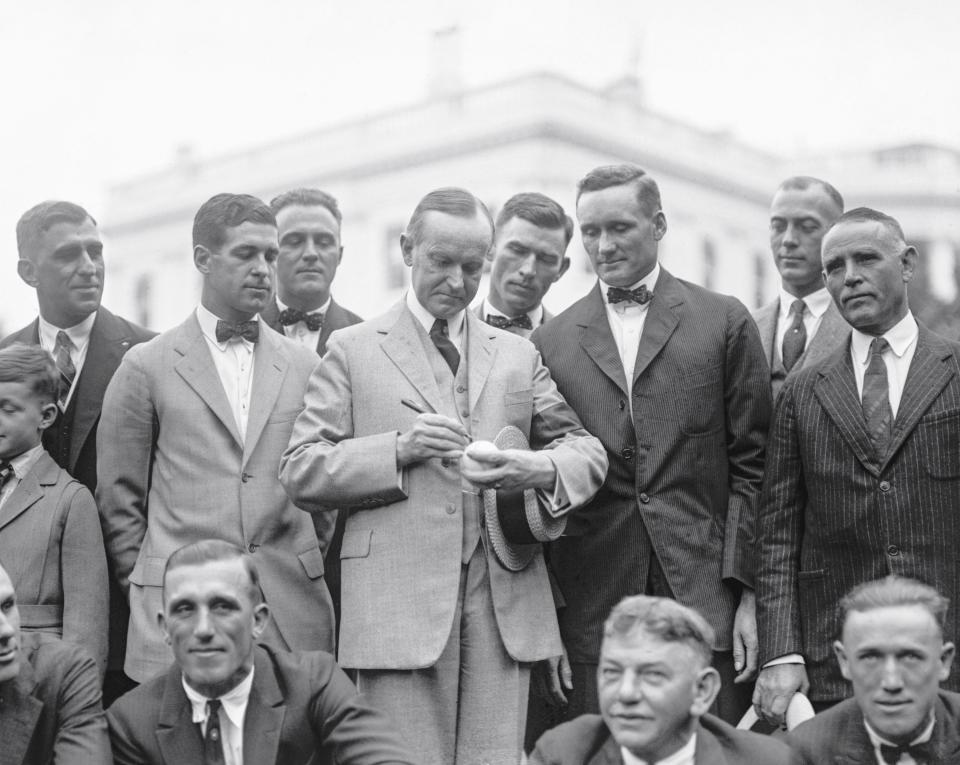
[640, 296]
[64, 341]
[314, 320]
[6, 472]
[504, 322]
[440, 328]
[921, 753]
[798, 307]
[213, 707]
[878, 346]
[244, 330]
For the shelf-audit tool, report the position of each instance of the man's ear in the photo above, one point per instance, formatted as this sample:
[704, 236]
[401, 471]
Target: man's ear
[201, 259]
[659, 225]
[841, 653]
[406, 247]
[340, 255]
[27, 270]
[946, 660]
[261, 615]
[706, 688]
[162, 622]
[564, 265]
[47, 415]
[908, 262]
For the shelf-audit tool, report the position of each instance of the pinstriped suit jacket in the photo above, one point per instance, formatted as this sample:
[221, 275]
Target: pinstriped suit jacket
[687, 467]
[834, 514]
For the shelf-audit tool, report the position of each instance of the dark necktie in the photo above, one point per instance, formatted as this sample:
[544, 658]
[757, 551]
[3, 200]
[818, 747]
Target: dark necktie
[61, 354]
[246, 330]
[921, 753]
[314, 321]
[502, 322]
[795, 340]
[6, 473]
[439, 334]
[876, 397]
[641, 295]
[212, 744]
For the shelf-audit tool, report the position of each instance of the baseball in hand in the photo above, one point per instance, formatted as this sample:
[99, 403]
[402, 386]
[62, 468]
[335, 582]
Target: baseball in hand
[478, 455]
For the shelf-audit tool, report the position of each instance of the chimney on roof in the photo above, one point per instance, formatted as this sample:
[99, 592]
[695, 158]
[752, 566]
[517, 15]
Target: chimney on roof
[446, 79]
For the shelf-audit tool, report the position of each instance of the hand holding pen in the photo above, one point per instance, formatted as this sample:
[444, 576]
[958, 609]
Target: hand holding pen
[431, 435]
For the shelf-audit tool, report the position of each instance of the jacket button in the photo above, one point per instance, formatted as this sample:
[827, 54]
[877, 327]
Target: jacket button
[627, 453]
[893, 550]
[253, 547]
[461, 389]
[623, 405]
[645, 498]
[245, 477]
[884, 486]
[451, 508]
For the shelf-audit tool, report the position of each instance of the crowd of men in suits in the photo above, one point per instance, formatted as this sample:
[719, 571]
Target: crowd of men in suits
[612, 531]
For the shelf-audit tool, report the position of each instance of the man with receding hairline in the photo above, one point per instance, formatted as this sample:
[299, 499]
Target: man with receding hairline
[441, 622]
[863, 466]
[802, 325]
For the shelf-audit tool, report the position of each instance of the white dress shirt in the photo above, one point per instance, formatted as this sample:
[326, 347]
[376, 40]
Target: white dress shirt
[817, 304]
[683, 756]
[626, 323]
[234, 363]
[902, 338]
[21, 464]
[905, 759]
[535, 316]
[299, 331]
[232, 714]
[455, 324]
[79, 334]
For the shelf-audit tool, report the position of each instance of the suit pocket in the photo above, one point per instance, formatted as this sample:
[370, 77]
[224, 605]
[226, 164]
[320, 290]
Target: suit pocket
[148, 572]
[286, 416]
[941, 444]
[357, 544]
[518, 397]
[698, 410]
[312, 562]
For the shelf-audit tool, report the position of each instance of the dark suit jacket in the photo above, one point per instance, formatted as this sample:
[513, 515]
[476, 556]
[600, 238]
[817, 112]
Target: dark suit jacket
[336, 317]
[302, 711]
[830, 334]
[52, 548]
[586, 741]
[51, 711]
[834, 514]
[686, 470]
[837, 736]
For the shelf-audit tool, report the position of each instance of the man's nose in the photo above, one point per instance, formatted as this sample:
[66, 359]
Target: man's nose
[311, 249]
[86, 262]
[203, 626]
[851, 274]
[605, 242]
[455, 277]
[7, 630]
[528, 265]
[892, 677]
[629, 689]
[790, 237]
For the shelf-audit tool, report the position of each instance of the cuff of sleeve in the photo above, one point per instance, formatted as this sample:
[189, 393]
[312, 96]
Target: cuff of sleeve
[790, 658]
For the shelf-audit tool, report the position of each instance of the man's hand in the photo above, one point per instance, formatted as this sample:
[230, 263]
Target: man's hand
[432, 435]
[745, 637]
[551, 676]
[775, 687]
[490, 468]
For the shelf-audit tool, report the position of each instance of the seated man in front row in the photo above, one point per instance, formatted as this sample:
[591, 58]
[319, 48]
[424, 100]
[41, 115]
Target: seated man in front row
[228, 700]
[49, 695]
[655, 686]
[892, 649]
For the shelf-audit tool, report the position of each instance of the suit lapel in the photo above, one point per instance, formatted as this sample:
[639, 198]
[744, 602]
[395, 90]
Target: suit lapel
[108, 342]
[19, 714]
[30, 489]
[766, 319]
[265, 712]
[596, 339]
[197, 369]
[660, 323]
[836, 390]
[927, 377]
[403, 347]
[608, 754]
[945, 738]
[178, 736]
[830, 334]
[269, 368]
[481, 351]
[334, 319]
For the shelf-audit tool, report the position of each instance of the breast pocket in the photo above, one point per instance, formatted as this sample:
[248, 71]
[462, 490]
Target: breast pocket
[699, 401]
[941, 443]
[518, 398]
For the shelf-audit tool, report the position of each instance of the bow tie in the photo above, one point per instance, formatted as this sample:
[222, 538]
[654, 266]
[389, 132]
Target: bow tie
[640, 295]
[921, 753]
[502, 322]
[6, 472]
[314, 321]
[244, 330]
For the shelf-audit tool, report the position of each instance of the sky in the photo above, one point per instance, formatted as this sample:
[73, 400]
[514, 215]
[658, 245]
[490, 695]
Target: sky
[100, 91]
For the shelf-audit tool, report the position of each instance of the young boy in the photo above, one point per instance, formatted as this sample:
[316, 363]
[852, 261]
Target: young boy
[50, 539]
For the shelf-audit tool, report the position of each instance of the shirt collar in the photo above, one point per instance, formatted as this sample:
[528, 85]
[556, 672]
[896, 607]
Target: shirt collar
[683, 755]
[79, 334]
[426, 319]
[925, 735]
[322, 310]
[649, 281]
[900, 336]
[234, 702]
[817, 302]
[23, 463]
[535, 316]
[208, 325]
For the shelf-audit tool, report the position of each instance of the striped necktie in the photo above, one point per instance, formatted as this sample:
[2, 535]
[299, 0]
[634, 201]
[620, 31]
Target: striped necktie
[61, 354]
[876, 397]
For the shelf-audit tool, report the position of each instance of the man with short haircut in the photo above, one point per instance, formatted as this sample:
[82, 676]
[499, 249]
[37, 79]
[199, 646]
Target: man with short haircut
[439, 618]
[863, 466]
[61, 257]
[671, 378]
[193, 427]
[49, 695]
[656, 685]
[528, 255]
[226, 698]
[802, 325]
[892, 649]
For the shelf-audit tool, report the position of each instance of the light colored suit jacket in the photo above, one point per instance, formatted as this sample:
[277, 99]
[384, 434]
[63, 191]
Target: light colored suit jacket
[173, 469]
[830, 334]
[401, 555]
[52, 548]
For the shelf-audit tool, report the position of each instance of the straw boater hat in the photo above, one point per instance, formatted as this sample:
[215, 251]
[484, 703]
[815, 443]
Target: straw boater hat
[516, 524]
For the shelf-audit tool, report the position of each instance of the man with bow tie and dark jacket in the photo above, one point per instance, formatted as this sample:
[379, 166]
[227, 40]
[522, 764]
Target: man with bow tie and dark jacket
[672, 379]
[528, 255]
[194, 423]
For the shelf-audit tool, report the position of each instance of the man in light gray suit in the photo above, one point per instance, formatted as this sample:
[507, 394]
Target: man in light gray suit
[192, 430]
[441, 627]
[802, 326]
